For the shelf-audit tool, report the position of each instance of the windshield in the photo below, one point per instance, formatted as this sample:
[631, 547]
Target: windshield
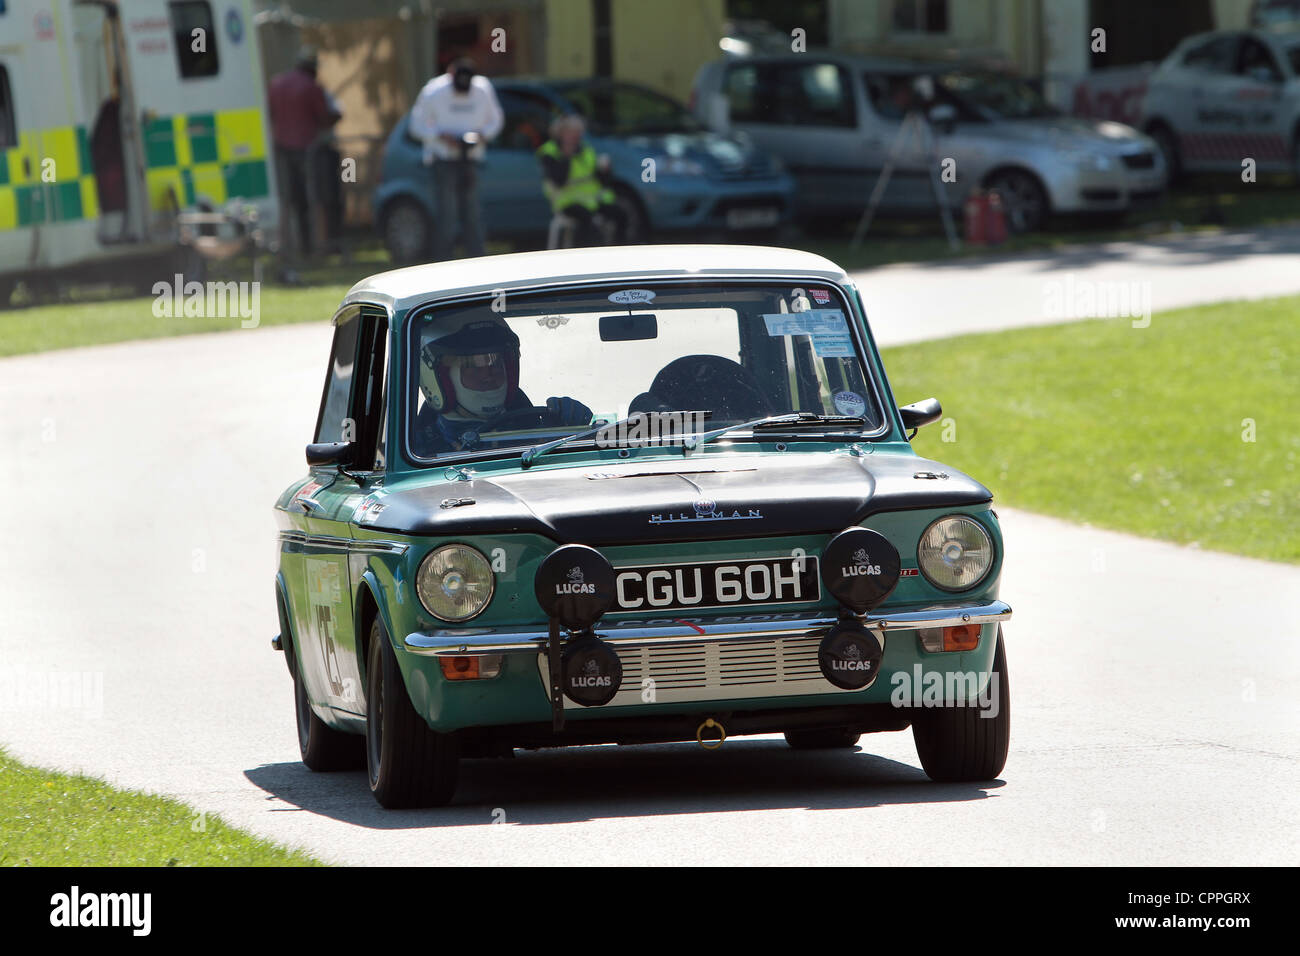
[621, 109]
[513, 371]
[1002, 95]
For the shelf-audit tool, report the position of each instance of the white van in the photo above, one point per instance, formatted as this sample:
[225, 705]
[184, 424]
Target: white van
[116, 115]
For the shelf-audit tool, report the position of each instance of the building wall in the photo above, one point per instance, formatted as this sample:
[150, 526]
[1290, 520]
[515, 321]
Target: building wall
[660, 44]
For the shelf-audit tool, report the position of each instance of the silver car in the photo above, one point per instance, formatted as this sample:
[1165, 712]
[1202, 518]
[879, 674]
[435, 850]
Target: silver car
[833, 119]
[1224, 97]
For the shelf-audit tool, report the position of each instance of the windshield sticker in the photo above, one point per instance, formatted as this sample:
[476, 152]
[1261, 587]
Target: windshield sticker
[820, 296]
[827, 328]
[553, 321]
[629, 296]
[849, 403]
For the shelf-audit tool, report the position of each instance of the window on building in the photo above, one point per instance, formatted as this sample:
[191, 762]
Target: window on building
[8, 131]
[194, 37]
[920, 16]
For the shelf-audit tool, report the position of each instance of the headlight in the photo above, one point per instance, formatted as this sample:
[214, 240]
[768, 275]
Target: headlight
[455, 583]
[955, 553]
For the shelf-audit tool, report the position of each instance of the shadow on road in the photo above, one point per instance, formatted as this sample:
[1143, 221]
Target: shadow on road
[591, 783]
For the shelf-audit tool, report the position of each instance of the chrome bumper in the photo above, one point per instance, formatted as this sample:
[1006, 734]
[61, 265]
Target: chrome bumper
[451, 642]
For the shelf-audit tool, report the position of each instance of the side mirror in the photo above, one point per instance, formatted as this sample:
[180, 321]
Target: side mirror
[921, 413]
[330, 453]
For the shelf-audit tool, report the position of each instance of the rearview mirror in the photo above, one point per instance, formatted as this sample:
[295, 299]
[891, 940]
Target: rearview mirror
[921, 413]
[629, 328]
[330, 453]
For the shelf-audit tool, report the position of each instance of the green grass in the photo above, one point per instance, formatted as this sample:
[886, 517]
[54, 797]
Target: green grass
[1128, 428]
[55, 819]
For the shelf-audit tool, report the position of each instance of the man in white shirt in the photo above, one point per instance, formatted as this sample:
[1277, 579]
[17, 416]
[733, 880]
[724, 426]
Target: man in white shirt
[454, 117]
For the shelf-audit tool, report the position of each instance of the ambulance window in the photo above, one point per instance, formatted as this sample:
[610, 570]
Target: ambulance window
[8, 136]
[195, 39]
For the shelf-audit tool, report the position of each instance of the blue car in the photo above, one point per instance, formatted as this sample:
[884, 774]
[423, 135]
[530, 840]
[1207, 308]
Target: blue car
[703, 181]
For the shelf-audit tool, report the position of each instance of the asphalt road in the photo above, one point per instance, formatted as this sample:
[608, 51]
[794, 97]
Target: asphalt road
[1154, 712]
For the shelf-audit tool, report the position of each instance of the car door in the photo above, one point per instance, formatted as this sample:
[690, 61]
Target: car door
[22, 197]
[1257, 95]
[513, 201]
[806, 113]
[1203, 107]
[351, 411]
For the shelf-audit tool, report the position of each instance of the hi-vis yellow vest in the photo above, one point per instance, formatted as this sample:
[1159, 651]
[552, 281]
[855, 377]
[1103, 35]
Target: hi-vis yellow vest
[583, 188]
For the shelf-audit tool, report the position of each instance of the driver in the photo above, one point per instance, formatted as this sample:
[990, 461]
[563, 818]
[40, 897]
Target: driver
[470, 382]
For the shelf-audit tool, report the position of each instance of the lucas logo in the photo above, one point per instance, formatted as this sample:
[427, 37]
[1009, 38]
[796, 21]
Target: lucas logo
[591, 676]
[576, 584]
[853, 661]
[861, 565]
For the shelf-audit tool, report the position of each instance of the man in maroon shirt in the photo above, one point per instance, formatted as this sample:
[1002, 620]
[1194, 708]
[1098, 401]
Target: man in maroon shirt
[299, 112]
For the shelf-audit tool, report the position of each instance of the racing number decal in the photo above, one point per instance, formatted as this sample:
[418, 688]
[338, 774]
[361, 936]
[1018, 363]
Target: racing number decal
[323, 594]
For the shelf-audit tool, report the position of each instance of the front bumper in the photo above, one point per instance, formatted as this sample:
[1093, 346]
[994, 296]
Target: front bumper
[453, 642]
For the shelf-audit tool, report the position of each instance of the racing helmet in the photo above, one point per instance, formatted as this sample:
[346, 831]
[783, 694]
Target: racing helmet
[474, 366]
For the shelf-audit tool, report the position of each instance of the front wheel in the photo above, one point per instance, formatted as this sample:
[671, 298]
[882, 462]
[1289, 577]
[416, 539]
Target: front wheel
[409, 764]
[965, 743]
[1024, 200]
[408, 232]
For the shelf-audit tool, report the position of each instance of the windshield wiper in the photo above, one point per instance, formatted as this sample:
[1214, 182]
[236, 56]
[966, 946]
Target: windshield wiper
[532, 454]
[790, 421]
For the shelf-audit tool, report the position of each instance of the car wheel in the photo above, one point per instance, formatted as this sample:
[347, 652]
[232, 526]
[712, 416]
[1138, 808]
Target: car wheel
[322, 747]
[408, 232]
[959, 743]
[1167, 142]
[1024, 202]
[409, 765]
[638, 227]
[835, 738]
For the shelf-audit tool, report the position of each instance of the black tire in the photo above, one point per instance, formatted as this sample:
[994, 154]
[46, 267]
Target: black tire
[408, 764]
[957, 744]
[834, 738]
[1024, 201]
[1168, 145]
[323, 748]
[408, 232]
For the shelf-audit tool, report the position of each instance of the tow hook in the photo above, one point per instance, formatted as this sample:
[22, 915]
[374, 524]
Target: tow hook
[711, 724]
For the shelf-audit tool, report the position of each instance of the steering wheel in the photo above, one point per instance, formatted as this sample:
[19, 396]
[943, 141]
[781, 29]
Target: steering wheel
[710, 382]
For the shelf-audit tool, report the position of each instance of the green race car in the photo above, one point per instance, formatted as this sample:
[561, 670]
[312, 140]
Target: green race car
[638, 494]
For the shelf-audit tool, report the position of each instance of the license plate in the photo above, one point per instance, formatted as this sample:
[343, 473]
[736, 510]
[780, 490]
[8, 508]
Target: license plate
[655, 587]
[753, 218]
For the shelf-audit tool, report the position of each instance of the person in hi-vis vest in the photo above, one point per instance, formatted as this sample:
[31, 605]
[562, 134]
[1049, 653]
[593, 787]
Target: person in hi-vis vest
[576, 181]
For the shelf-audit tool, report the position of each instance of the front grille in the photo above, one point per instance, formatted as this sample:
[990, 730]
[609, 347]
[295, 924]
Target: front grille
[717, 670]
[1140, 160]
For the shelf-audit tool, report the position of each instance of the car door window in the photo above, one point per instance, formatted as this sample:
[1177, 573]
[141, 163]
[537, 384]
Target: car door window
[1216, 55]
[744, 99]
[335, 422]
[527, 121]
[814, 94]
[1257, 62]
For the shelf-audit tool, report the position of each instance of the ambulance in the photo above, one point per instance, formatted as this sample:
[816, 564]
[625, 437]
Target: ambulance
[116, 117]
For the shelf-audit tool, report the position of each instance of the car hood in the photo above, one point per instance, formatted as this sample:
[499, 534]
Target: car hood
[716, 151]
[702, 498]
[1071, 133]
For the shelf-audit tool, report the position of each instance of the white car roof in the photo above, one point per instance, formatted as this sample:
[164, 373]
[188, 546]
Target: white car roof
[401, 289]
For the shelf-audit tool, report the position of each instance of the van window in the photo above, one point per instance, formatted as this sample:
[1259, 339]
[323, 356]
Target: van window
[195, 38]
[8, 133]
[791, 94]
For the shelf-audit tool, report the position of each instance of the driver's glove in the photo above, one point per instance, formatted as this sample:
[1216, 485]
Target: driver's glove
[568, 411]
